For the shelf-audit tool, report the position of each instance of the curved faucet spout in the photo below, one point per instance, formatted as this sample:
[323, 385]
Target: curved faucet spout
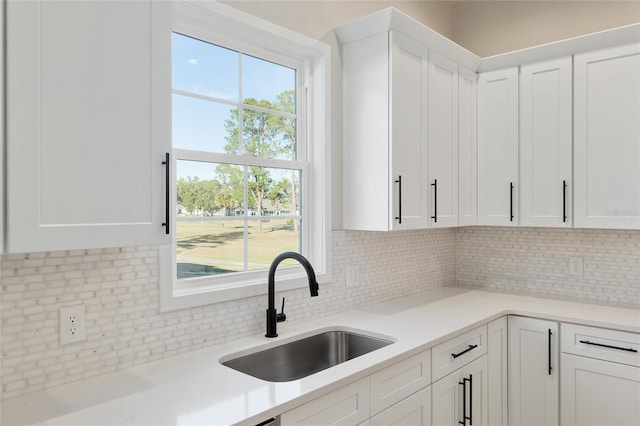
[272, 317]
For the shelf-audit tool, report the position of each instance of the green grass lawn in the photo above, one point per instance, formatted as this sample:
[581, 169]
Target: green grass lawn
[215, 247]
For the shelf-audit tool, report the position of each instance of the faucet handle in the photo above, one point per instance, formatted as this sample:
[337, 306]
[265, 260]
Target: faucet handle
[281, 317]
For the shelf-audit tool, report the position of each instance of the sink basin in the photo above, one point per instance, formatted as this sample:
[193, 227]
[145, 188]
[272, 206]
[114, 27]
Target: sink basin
[303, 357]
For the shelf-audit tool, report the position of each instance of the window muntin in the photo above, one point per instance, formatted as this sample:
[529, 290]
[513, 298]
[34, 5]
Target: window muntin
[238, 179]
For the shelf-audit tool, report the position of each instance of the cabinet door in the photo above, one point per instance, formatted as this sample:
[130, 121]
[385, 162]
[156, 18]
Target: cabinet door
[497, 349]
[367, 183]
[461, 397]
[467, 148]
[607, 138]
[598, 392]
[443, 141]
[498, 147]
[415, 410]
[545, 143]
[409, 70]
[533, 372]
[346, 406]
[84, 148]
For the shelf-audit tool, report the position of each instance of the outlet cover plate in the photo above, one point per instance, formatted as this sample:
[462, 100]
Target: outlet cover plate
[72, 326]
[576, 266]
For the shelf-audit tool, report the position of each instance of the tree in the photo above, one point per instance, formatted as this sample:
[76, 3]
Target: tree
[262, 136]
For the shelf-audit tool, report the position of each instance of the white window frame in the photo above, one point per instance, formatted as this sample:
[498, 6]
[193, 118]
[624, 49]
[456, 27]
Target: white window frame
[225, 26]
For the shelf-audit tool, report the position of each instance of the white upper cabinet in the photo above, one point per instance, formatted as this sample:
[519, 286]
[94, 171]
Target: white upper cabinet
[467, 148]
[88, 123]
[498, 147]
[442, 129]
[545, 143]
[402, 94]
[607, 138]
[385, 142]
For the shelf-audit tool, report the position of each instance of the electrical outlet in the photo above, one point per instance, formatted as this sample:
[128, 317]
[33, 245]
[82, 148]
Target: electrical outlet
[72, 324]
[353, 276]
[575, 266]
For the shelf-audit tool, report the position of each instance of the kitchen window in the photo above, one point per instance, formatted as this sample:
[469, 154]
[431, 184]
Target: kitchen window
[249, 142]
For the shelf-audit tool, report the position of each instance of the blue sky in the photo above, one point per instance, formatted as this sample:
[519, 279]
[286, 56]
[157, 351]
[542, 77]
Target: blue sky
[210, 70]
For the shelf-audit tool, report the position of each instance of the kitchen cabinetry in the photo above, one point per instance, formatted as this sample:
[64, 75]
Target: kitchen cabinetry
[497, 373]
[600, 378]
[442, 129]
[393, 395]
[467, 148]
[2, 127]
[498, 147]
[414, 410]
[545, 143]
[460, 379]
[607, 138]
[385, 150]
[88, 118]
[533, 372]
[395, 383]
[348, 405]
[461, 397]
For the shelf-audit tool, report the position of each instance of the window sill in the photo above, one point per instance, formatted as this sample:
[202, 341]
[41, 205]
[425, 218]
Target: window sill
[287, 278]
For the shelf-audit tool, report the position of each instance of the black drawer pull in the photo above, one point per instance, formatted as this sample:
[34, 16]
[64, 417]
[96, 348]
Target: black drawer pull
[586, 342]
[470, 348]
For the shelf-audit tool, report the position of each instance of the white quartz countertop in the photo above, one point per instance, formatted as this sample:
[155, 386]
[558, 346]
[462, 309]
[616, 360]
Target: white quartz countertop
[195, 389]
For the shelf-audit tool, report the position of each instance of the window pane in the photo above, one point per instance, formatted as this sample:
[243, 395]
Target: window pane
[265, 81]
[268, 135]
[209, 189]
[209, 248]
[204, 125]
[273, 192]
[269, 238]
[204, 68]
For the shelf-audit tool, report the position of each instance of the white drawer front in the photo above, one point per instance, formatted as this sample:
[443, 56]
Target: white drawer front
[346, 406]
[456, 352]
[601, 343]
[394, 383]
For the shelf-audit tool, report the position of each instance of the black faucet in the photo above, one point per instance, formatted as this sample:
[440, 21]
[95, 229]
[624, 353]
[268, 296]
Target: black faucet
[272, 317]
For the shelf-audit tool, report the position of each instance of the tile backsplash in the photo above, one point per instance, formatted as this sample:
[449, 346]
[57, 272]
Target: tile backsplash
[119, 288]
[124, 327]
[536, 261]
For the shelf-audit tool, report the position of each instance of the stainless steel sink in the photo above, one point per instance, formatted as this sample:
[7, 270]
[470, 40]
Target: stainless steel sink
[301, 358]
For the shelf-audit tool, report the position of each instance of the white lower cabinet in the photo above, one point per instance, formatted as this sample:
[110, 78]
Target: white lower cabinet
[461, 397]
[346, 406]
[533, 372]
[596, 392]
[497, 338]
[414, 410]
[600, 377]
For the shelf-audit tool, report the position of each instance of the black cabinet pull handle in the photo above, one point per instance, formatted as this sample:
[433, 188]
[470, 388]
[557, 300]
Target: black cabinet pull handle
[550, 368]
[564, 201]
[435, 200]
[464, 400]
[470, 348]
[511, 201]
[470, 399]
[167, 201]
[586, 342]
[399, 182]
